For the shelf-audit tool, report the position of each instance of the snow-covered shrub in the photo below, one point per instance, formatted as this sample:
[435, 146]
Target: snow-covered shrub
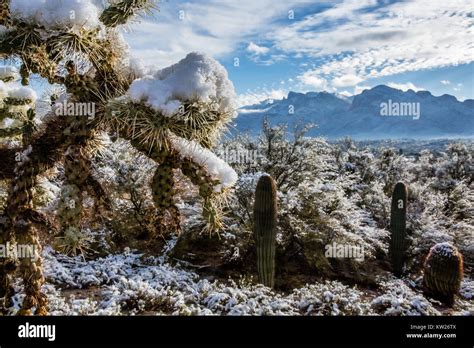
[324, 198]
[454, 166]
[399, 299]
[331, 298]
[126, 174]
[442, 199]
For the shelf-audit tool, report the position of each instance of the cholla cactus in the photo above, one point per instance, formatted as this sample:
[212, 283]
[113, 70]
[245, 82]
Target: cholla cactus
[52, 44]
[443, 272]
[175, 124]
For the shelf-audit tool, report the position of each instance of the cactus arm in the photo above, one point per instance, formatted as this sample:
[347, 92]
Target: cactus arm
[47, 148]
[18, 205]
[163, 192]
[122, 11]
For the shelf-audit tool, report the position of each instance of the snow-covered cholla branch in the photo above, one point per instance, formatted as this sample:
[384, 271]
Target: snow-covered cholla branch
[215, 167]
[58, 13]
[10, 89]
[87, 14]
[196, 77]
[16, 104]
[175, 116]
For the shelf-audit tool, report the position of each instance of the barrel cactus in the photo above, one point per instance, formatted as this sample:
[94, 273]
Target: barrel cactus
[443, 272]
[398, 218]
[265, 221]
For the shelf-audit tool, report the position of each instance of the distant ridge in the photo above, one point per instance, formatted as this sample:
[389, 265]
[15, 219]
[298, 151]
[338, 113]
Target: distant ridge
[360, 116]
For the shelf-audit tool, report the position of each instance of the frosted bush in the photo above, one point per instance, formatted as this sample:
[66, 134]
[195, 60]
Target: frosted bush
[399, 299]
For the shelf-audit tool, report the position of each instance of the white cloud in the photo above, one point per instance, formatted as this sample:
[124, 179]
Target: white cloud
[256, 49]
[346, 81]
[445, 82]
[212, 26]
[313, 80]
[405, 86]
[268, 61]
[386, 41]
[345, 44]
[255, 97]
[181, 40]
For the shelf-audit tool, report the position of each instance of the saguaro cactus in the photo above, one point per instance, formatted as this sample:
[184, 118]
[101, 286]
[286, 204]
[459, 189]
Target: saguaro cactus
[265, 220]
[398, 219]
[443, 272]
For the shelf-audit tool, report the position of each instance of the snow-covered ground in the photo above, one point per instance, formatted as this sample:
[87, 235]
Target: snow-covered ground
[130, 283]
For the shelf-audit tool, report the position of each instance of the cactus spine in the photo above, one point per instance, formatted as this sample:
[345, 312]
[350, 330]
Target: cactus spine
[265, 220]
[398, 219]
[443, 272]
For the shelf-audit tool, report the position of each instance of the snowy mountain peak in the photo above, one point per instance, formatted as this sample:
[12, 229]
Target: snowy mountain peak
[360, 116]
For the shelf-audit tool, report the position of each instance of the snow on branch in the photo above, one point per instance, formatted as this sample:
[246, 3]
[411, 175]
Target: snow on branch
[88, 14]
[8, 73]
[13, 92]
[196, 77]
[22, 93]
[215, 167]
[57, 13]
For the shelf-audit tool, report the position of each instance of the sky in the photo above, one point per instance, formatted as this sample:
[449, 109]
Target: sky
[270, 47]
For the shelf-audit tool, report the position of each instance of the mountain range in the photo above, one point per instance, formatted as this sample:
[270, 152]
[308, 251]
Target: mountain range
[377, 113]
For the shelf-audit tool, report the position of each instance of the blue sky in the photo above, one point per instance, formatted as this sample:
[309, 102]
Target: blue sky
[300, 45]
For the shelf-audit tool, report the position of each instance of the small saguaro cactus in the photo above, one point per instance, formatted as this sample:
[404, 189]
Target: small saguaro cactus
[398, 217]
[443, 272]
[265, 221]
